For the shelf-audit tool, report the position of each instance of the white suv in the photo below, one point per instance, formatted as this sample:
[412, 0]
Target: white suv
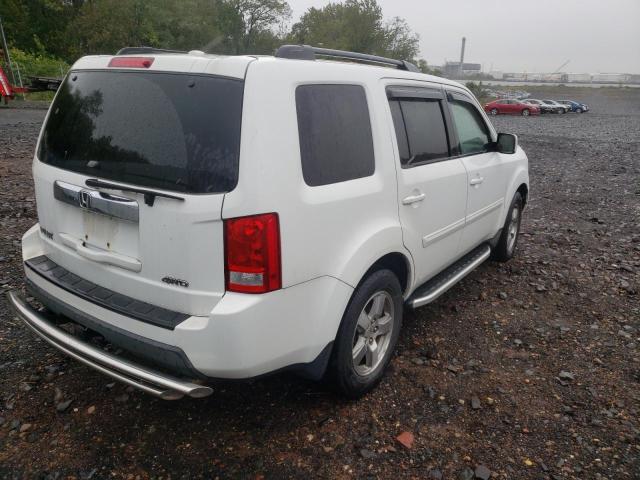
[228, 217]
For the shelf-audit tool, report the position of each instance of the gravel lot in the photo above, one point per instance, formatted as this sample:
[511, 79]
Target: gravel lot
[526, 370]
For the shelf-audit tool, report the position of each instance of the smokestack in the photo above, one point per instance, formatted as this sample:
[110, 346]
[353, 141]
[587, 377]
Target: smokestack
[464, 41]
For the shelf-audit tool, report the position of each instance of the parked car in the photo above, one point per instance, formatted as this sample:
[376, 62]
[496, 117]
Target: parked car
[574, 106]
[228, 217]
[555, 106]
[508, 106]
[543, 107]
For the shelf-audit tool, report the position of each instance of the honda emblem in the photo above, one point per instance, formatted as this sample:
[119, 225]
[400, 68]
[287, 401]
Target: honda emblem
[84, 199]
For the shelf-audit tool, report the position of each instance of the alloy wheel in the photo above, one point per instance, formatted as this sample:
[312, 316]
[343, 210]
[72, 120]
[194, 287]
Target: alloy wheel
[373, 333]
[513, 228]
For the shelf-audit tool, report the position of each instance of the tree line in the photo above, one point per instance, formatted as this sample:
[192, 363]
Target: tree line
[69, 29]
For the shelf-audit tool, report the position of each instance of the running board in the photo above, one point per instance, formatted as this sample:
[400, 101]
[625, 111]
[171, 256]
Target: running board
[446, 279]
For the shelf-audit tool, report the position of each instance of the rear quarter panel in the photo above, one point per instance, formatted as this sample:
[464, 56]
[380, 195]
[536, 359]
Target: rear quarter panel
[336, 230]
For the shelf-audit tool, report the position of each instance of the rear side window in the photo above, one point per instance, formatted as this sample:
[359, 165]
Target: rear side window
[334, 127]
[170, 131]
[472, 131]
[420, 130]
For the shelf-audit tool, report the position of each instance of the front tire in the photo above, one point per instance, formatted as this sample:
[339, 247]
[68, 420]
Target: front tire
[578, 110]
[367, 335]
[525, 112]
[494, 111]
[506, 247]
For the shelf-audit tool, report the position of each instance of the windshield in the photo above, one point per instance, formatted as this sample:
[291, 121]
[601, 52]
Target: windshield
[171, 131]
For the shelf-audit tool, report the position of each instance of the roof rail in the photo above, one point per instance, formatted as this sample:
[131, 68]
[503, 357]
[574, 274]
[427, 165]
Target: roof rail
[145, 50]
[307, 52]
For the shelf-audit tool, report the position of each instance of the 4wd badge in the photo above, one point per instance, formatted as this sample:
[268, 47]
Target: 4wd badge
[176, 281]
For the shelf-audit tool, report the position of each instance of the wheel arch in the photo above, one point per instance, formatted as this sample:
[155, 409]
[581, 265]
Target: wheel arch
[398, 263]
[523, 190]
[518, 182]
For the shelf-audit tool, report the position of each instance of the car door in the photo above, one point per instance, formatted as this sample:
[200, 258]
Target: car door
[432, 184]
[503, 107]
[487, 176]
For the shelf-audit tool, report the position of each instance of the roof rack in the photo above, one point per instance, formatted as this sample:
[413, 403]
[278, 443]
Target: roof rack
[307, 52]
[145, 50]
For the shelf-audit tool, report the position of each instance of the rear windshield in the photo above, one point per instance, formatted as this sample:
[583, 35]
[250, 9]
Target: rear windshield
[170, 131]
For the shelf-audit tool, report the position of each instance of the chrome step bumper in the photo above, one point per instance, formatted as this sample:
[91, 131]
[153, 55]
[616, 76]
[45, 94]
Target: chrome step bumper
[150, 381]
[442, 282]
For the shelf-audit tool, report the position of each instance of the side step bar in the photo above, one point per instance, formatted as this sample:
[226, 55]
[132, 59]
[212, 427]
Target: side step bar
[446, 279]
[150, 381]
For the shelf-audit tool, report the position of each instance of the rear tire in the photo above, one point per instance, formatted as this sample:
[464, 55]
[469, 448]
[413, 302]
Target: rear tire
[494, 111]
[561, 110]
[526, 112]
[367, 335]
[506, 247]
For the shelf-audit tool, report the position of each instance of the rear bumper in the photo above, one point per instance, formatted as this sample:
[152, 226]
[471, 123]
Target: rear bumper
[150, 381]
[244, 336]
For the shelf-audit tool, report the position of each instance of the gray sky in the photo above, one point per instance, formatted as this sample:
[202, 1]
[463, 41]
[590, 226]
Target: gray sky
[597, 36]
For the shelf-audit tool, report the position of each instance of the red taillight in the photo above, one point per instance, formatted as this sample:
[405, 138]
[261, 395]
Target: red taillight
[252, 247]
[131, 62]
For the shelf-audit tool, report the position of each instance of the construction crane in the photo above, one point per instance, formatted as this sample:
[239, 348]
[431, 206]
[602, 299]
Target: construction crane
[8, 90]
[561, 67]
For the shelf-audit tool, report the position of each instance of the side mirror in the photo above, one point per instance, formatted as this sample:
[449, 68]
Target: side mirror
[507, 143]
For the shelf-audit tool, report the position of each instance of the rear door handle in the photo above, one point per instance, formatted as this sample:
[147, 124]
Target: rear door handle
[413, 199]
[476, 181]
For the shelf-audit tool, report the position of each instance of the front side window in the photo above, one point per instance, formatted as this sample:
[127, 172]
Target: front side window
[472, 131]
[420, 130]
[336, 143]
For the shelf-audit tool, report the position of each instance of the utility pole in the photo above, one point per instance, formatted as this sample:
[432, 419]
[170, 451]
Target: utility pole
[5, 49]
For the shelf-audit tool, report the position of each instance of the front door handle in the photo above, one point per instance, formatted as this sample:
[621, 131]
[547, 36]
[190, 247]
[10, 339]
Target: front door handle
[476, 181]
[413, 199]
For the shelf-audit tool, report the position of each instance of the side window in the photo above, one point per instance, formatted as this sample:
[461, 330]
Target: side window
[420, 130]
[334, 128]
[473, 134]
[401, 133]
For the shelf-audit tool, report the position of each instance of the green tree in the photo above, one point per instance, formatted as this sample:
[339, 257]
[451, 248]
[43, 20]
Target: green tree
[425, 68]
[477, 89]
[252, 26]
[359, 26]
[38, 26]
[105, 26]
[68, 29]
[31, 64]
[185, 25]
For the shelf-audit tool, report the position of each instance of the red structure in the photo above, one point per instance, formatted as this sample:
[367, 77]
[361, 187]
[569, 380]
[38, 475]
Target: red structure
[36, 84]
[8, 91]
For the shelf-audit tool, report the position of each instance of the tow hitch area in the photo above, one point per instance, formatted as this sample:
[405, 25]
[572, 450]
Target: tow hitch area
[150, 381]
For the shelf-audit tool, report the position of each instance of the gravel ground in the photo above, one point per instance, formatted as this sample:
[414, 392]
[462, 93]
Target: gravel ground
[526, 370]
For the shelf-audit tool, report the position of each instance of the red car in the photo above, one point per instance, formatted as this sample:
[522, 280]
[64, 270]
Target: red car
[511, 107]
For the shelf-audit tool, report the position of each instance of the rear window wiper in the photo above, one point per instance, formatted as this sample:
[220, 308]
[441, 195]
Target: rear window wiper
[149, 195]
